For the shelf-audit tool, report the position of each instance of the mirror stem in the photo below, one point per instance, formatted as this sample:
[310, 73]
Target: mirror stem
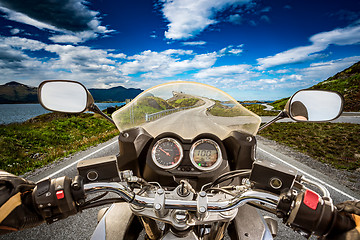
[96, 109]
[281, 115]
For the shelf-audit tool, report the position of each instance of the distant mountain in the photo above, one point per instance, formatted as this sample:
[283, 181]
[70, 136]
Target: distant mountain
[118, 94]
[14, 92]
[346, 82]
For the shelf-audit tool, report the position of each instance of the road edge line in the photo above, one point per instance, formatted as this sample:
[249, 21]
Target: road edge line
[73, 163]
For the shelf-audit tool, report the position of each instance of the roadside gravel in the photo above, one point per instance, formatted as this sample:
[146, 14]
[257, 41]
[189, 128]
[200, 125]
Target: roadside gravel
[350, 179]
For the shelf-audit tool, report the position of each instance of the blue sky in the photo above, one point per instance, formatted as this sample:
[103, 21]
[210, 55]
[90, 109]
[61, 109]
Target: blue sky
[251, 49]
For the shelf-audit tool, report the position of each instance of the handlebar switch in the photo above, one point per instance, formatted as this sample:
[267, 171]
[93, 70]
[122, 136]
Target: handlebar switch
[53, 199]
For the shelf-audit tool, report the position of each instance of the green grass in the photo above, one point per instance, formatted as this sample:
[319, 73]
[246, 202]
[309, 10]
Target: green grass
[184, 102]
[280, 104]
[26, 146]
[258, 109]
[225, 111]
[333, 143]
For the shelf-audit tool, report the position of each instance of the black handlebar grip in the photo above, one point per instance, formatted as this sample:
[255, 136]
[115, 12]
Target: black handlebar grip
[343, 222]
[312, 214]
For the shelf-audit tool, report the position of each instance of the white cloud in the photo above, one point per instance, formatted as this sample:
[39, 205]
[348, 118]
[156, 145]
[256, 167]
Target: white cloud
[320, 42]
[15, 31]
[236, 19]
[298, 78]
[91, 66]
[223, 71]
[188, 17]
[295, 55]
[65, 39]
[231, 50]
[197, 43]
[118, 55]
[266, 9]
[167, 63]
[82, 59]
[320, 71]
[23, 43]
[74, 38]
[340, 36]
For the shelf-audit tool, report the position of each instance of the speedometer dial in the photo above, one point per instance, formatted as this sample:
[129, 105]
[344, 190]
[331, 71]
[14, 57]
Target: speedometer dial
[167, 153]
[205, 154]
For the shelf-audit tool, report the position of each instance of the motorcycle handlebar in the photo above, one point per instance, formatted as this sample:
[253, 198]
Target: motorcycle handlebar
[299, 211]
[191, 205]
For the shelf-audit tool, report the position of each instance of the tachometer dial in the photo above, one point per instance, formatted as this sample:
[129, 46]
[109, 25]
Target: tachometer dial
[205, 154]
[167, 153]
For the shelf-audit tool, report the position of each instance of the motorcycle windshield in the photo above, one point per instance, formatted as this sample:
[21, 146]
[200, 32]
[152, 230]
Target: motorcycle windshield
[187, 109]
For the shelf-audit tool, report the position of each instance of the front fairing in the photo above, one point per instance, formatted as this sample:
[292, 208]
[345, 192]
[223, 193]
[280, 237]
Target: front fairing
[186, 109]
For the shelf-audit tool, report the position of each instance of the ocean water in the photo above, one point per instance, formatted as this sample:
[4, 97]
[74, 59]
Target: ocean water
[10, 113]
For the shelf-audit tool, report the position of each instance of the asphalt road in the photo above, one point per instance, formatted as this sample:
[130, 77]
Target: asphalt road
[82, 225]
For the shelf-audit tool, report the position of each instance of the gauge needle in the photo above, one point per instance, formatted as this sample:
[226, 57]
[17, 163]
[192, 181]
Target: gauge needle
[168, 154]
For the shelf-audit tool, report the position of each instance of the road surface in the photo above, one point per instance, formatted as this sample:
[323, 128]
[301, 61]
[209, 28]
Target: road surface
[82, 225]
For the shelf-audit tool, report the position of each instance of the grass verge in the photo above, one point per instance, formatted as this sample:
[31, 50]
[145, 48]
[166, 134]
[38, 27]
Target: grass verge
[33, 144]
[332, 143]
[258, 109]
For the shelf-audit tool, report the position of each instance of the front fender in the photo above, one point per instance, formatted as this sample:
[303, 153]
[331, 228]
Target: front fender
[118, 222]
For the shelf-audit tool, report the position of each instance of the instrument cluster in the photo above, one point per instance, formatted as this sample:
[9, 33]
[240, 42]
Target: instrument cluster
[169, 153]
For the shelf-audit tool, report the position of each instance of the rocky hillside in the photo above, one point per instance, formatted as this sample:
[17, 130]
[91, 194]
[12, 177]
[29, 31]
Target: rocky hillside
[14, 92]
[347, 82]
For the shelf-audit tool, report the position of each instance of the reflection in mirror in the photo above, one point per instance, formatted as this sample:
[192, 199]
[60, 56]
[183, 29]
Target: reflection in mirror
[63, 96]
[315, 105]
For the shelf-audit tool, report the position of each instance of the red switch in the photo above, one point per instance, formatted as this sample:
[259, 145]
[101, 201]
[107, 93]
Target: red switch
[60, 194]
[311, 199]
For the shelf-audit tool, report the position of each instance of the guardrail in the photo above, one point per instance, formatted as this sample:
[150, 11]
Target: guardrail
[153, 116]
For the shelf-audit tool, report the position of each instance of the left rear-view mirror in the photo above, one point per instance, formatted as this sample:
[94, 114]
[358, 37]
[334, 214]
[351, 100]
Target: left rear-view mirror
[64, 96]
[315, 106]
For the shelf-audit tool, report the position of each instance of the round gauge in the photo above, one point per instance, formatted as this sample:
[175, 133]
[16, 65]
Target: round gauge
[167, 153]
[205, 154]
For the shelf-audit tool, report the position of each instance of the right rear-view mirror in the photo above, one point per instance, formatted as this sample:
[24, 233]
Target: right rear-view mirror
[314, 106]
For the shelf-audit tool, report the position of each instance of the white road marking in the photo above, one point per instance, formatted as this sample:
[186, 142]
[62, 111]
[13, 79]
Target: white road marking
[72, 164]
[305, 173]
